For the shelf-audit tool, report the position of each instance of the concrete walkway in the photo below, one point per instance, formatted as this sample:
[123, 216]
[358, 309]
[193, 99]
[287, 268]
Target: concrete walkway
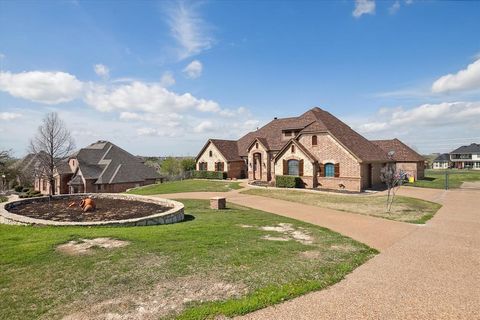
[423, 272]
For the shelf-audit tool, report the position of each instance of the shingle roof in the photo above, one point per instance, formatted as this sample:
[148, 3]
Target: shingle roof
[444, 157]
[107, 163]
[402, 151]
[473, 148]
[228, 148]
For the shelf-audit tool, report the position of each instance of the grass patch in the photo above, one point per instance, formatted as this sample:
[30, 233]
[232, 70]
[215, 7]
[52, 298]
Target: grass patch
[436, 178]
[3, 199]
[187, 186]
[214, 263]
[404, 209]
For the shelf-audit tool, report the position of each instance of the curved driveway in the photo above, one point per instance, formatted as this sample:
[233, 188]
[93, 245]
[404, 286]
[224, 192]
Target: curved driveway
[423, 272]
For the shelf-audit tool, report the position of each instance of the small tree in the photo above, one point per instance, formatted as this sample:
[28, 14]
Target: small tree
[53, 143]
[188, 164]
[171, 167]
[8, 171]
[393, 179]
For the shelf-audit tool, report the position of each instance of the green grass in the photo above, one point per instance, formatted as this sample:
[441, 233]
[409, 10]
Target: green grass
[436, 178]
[210, 247]
[404, 209]
[187, 186]
[3, 199]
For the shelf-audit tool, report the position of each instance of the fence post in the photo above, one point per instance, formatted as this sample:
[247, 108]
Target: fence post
[446, 180]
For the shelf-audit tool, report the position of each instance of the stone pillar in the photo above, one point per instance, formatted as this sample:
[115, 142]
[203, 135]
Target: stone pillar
[218, 203]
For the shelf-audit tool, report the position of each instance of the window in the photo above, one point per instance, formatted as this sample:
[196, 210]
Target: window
[219, 166]
[314, 140]
[329, 170]
[202, 166]
[210, 153]
[256, 145]
[293, 168]
[293, 149]
[288, 133]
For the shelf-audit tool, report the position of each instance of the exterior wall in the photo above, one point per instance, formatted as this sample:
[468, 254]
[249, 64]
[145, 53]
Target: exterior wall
[216, 157]
[236, 169]
[265, 162]
[415, 169]
[309, 169]
[440, 165]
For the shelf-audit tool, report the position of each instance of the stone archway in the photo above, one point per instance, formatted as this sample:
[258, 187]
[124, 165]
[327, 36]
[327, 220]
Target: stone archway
[257, 166]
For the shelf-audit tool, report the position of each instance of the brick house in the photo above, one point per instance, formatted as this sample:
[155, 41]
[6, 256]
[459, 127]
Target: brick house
[406, 159]
[318, 147]
[99, 167]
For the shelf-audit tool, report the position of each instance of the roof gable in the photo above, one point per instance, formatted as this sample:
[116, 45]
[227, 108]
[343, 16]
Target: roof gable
[472, 148]
[402, 151]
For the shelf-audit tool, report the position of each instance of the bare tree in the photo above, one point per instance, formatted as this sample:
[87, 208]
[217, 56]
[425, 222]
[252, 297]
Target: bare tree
[53, 143]
[393, 179]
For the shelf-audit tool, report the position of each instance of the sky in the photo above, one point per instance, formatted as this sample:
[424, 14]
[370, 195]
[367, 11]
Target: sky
[159, 78]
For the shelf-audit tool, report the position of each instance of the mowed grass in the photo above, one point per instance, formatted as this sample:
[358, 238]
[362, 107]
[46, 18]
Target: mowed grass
[404, 209]
[192, 185]
[170, 271]
[436, 178]
[3, 199]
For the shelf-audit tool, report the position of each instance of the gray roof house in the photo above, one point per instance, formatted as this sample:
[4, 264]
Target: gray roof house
[466, 157]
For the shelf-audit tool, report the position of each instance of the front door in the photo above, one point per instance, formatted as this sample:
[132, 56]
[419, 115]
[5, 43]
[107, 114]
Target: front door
[257, 166]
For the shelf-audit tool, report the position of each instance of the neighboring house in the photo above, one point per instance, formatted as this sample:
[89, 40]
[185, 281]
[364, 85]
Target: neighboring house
[28, 168]
[406, 159]
[466, 157]
[100, 167]
[442, 161]
[318, 147]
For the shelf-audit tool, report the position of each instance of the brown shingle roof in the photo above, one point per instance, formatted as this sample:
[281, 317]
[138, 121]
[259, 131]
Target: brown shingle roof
[228, 148]
[402, 151]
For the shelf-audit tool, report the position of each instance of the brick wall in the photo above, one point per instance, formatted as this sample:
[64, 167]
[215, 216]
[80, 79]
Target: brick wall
[236, 168]
[216, 157]
[416, 169]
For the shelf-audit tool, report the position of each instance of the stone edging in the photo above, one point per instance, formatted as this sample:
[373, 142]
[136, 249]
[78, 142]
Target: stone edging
[173, 215]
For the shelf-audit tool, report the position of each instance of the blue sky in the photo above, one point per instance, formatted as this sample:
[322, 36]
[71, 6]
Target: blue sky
[159, 78]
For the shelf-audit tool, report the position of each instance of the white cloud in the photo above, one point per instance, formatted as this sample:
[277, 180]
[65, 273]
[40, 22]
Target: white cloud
[40, 86]
[194, 69]
[463, 80]
[102, 70]
[167, 79]
[408, 1]
[139, 96]
[363, 7]
[204, 126]
[188, 29]
[2, 56]
[9, 115]
[394, 8]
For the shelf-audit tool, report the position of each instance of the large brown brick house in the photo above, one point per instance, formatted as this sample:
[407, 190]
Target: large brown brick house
[318, 147]
[99, 167]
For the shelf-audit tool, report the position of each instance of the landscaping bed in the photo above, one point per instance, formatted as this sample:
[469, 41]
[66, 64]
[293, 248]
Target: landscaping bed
[216, 263]
[404, 209]
[106, 209]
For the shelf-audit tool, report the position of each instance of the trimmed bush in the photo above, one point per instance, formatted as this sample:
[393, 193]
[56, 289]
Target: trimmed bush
[288, 182]
[209, 174]
[25, 189]
[19, 188]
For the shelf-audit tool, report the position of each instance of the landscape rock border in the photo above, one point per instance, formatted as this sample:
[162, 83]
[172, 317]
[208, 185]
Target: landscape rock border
[173, 215]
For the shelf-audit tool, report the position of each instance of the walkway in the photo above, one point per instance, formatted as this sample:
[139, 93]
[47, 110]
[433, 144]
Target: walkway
[423, 272]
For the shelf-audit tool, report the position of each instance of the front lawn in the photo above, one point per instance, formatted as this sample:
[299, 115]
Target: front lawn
[187, 186]
[436, 178]
[217, 262]
[404, 209]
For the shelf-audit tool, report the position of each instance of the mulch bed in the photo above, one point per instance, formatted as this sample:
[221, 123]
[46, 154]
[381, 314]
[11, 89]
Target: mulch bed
[107, 209]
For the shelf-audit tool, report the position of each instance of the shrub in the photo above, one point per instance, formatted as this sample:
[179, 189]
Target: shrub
[210, 175]
[25, 189]
[3, 199]
[19, 188]
[288, 182]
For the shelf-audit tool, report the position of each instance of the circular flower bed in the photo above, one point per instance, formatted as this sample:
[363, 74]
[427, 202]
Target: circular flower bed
[111, 209]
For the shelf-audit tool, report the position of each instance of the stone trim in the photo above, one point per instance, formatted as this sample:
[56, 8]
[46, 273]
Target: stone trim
[175, 214]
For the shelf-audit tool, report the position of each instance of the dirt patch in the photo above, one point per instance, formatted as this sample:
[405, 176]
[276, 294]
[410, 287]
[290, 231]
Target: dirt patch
[344, 247]
[107, 209]
[299, 234]
[311, 255]
[86, 246]
[245, 226]
[168, 298]
[267, 237]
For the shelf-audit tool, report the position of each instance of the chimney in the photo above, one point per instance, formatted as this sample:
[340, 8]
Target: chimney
[275, 118]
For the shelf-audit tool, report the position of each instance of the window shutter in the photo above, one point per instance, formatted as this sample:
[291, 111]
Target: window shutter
[300, 168]
[285, 167]
[337, 170]
[321, 170]
[324, 170]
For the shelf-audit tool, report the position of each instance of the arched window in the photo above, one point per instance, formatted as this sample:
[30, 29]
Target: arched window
[210, 153]
[314, 140]
[293, 148]
[256, 145]
[329, 170]
[293, 167]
